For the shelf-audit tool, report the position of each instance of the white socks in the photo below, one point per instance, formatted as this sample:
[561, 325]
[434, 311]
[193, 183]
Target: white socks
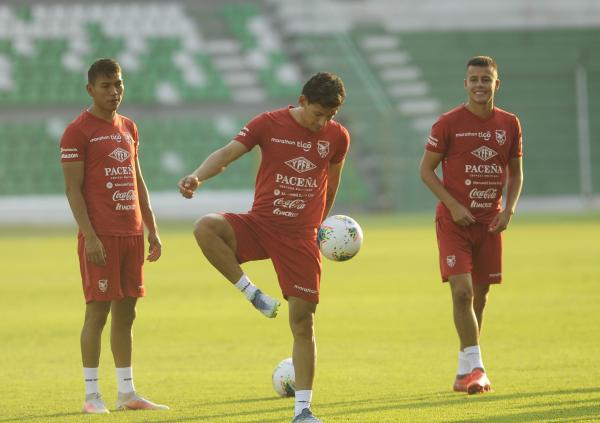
[473, 356]
[246, 287]
[125, 380]
[90, 378]
[463, 364]
[303, 399]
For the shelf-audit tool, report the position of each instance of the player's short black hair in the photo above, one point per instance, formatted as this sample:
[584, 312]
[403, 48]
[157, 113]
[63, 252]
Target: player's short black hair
[483, 61]
[103, 67]
[326, 89]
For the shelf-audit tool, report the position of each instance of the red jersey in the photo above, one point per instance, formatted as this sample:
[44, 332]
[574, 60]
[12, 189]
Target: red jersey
[291, 183]
[109, 152]
[476, 154]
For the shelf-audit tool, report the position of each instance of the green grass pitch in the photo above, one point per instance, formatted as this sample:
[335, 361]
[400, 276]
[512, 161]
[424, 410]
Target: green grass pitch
[387, 346]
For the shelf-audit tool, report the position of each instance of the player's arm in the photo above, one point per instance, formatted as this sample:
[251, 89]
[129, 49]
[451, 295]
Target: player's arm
[155, 246]
[214, 164]
[430, 161]
[513, 192]
[74, 173]
[334, 176]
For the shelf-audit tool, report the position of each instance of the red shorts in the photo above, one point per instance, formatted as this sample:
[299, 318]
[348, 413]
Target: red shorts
[472, 249]
[121, 276]
[297, 261]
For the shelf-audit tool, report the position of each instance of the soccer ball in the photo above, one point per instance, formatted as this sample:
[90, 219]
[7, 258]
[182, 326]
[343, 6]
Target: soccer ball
[284, 378]
[339, 237]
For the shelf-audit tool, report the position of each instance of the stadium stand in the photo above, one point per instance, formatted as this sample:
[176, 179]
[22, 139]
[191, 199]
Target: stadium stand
[195, 72]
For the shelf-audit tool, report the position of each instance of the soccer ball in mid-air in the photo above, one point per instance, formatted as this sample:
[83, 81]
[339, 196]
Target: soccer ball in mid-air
[339, 237]
[284, 378]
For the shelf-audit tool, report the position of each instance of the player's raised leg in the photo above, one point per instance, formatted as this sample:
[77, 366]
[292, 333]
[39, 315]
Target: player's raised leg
[217, 240]
[304, 356]
[96, 313]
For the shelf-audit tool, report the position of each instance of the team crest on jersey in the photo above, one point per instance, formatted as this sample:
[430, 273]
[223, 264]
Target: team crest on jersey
[103, 285]
[301, 164]
[323, 148]
[484, 153]
[119, 154]
[451, 261]
[500, 136]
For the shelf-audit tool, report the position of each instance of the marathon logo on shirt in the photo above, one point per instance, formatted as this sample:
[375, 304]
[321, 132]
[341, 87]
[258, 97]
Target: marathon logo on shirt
[484, 135]
[304, 145]
[301, 164]
[112, 137]
[69, 153]
[432, 141]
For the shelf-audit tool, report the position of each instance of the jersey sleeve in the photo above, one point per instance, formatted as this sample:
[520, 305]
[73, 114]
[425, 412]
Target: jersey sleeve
[344, 145]
[437, 141]
[251, 134]
[136, 138]
[516, 149]
[72, 145]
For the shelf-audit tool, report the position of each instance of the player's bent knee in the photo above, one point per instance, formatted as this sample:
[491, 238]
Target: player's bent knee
[207, 227]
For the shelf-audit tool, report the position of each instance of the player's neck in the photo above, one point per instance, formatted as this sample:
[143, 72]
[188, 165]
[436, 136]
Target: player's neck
[480, 110]
[107, 115]
[296, 113]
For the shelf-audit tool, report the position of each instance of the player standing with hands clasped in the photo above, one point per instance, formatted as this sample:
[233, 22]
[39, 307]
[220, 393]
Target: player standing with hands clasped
[480, 148]
[303, 151]
[109, 200]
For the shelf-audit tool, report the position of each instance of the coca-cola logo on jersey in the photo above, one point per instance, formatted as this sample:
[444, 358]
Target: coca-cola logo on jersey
[289, 204]
[124, 195]
[485, 194]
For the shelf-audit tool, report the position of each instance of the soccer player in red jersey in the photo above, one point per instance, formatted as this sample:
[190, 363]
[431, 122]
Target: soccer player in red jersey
[110, 202]
[303, 151]
[480, 148]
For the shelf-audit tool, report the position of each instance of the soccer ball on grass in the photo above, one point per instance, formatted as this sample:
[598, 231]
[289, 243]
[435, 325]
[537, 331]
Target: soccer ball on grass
[284, 378]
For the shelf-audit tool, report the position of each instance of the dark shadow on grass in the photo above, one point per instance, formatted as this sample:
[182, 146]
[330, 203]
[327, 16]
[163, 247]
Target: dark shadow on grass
[41, 416]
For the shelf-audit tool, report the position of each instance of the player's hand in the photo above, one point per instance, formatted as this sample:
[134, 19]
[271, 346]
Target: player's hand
[461, 215]
[500, 222]
[155, 247]
[94, 251]
[187, 185]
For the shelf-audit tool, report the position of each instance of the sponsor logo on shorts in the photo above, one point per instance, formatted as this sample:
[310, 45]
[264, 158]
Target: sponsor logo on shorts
[103, 285]
[451, 260]
[301, 288]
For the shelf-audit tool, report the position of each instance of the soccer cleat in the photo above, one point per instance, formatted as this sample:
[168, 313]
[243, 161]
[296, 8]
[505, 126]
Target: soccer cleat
[94, 405]
[478, 382]
[306, 416]
[133, 401]
[265, 304]
[460, 383]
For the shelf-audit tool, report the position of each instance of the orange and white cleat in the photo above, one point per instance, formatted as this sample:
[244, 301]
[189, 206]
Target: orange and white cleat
[133, 401]
[461, 382]
[478, 382]
[94, 405]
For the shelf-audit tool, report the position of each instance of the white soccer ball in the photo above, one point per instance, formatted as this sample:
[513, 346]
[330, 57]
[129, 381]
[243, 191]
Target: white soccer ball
[340, 237]
[284, 378]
